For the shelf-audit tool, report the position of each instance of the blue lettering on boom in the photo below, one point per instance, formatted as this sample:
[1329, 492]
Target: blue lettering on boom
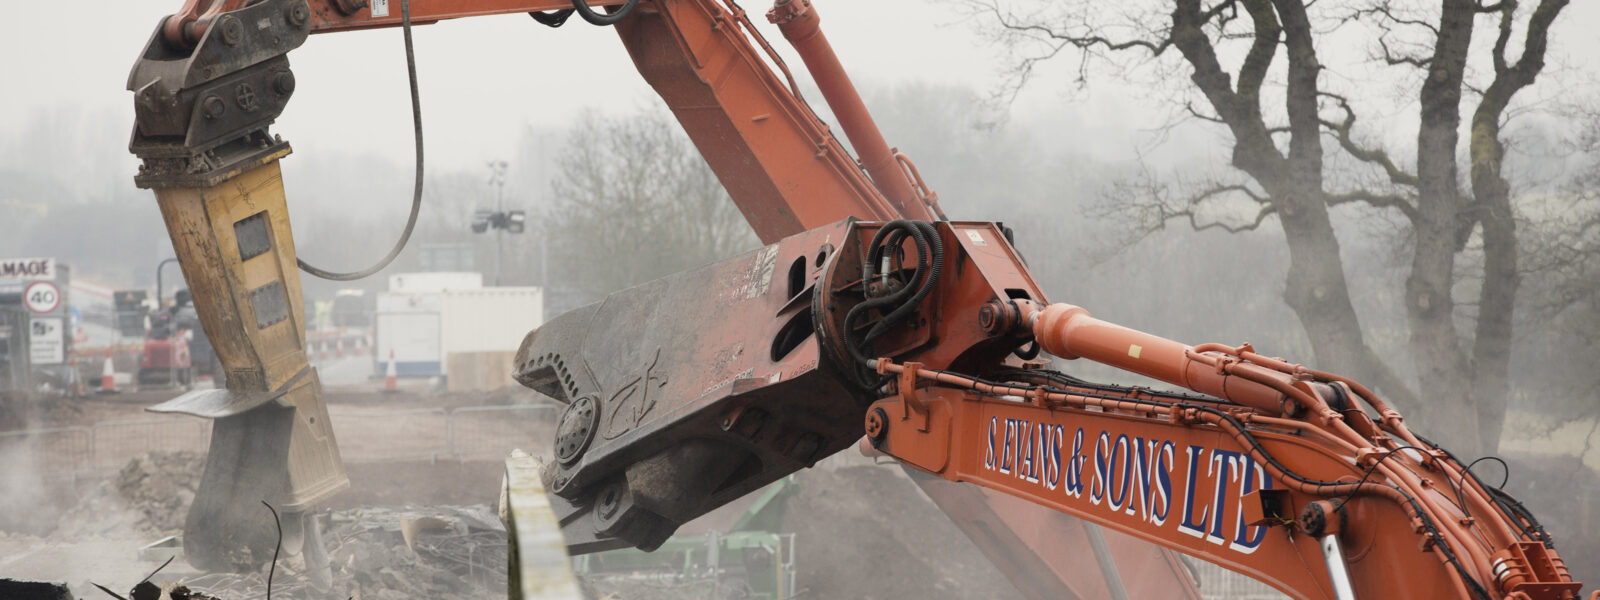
[1132, 477]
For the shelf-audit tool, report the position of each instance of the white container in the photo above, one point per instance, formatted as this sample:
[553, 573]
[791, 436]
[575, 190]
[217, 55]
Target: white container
[413, 283]
[489, 319]
[412, 338]
[424, 328]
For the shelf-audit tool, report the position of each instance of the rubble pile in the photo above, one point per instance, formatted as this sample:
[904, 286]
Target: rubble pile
[454, 553]
[149, 495]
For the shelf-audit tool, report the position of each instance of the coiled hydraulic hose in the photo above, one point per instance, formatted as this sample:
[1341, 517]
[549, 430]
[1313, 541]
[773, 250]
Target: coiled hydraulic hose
[416, 189]
[929, 264]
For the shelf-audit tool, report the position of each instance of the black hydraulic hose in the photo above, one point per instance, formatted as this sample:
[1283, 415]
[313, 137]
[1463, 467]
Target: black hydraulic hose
[416, 190]
[595, 18]
[1028, 352]
[552, 19]
[922, 230]
[1531, 528]
[894, 230]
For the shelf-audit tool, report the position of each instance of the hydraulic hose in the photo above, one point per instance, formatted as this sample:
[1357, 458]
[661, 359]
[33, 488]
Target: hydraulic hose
[888, 239]
[923, 231]
[595, 18]
[416, 189]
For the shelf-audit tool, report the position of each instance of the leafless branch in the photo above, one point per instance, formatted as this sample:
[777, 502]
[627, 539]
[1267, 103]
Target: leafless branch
[1267, 34]
[1342, 131]
[1393, 58]
[1386, 13]
[1394, 201]
[1507, 11]
[1083, 42]
[1054, 40]
[1195, 112]
[1146, 202]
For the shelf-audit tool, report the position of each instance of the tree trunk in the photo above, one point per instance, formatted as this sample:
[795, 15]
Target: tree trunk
[1491, 348]
[1442, 368]
[1315, 287]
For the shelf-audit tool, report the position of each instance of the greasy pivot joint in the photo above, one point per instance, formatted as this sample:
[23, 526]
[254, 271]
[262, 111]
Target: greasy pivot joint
[1320, 518]
[877, 425]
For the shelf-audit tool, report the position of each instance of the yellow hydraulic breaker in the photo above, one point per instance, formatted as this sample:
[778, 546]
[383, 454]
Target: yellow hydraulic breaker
[203, 101]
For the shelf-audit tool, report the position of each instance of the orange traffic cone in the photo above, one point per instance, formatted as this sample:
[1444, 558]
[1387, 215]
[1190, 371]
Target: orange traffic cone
[338, 347]
[322, 348]
[361, 345]
[108, 377]
[391, 381]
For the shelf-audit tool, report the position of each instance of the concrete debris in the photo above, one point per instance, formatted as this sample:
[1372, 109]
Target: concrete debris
[464, 557]
[149, 495]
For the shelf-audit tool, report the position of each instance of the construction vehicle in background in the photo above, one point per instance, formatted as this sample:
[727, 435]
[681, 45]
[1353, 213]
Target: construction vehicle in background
[176, 351]
[131, 313]
[867, 313]
[165, 359]
[748, 556]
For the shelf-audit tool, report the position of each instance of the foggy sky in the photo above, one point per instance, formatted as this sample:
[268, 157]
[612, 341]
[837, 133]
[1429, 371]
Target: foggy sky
[483, 79]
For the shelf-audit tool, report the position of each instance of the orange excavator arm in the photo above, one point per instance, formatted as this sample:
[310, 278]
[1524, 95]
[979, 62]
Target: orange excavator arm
[924, 334]
[778, 161]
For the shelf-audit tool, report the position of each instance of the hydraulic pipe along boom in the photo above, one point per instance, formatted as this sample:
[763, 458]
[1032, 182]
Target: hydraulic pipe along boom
[798, 21]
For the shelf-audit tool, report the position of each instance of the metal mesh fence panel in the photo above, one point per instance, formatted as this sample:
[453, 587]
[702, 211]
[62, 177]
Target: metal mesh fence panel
[492, 432]
[62, 454]
[114, 442]
[382, 436]
[1217, 583]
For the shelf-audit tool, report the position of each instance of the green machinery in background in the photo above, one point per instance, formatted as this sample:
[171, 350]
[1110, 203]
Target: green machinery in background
[749, 559]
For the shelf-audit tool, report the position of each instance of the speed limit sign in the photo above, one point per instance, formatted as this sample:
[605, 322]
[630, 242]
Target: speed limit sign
[41, 297]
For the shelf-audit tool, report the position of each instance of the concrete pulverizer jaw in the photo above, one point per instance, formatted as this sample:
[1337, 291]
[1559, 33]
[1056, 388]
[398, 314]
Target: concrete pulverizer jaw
[689, 391]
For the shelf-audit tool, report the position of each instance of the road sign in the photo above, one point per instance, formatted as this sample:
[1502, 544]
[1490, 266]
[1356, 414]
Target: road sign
[42, 297]
[24, 269]
[46, 346]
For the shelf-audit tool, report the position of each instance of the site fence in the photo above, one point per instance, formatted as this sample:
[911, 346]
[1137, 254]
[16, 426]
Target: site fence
[1217, 583]
[465, 434]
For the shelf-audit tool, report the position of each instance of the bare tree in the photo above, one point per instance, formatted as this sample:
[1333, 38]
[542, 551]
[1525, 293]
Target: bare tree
[1283, 118]
[635, 201]
[1561, 318]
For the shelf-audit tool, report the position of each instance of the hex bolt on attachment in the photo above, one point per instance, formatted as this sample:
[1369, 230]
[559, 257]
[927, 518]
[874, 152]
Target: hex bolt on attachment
[610, 500]
[283, 83]
[232, 30]
[213, 106]
[297, 14]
